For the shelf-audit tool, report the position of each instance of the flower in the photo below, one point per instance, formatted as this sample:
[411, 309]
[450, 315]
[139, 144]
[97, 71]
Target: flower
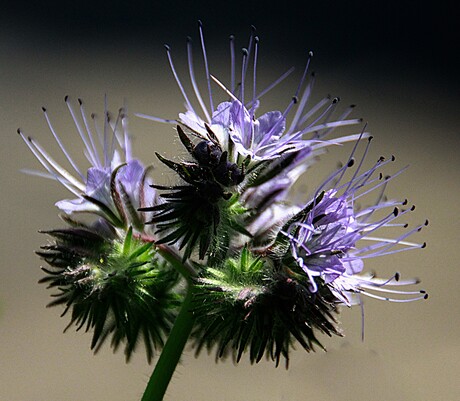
[325, 236]
[114, 186]
[118, 287]
[234, 122]
[247, 305]
[272, 149]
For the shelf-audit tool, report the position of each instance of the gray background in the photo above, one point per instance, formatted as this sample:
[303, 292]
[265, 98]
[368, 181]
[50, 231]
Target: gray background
[396, 63]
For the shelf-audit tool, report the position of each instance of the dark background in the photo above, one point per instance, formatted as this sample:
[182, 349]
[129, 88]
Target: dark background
[421, 37]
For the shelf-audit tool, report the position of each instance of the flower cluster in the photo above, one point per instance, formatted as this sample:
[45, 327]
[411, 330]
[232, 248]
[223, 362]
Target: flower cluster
[264, 271]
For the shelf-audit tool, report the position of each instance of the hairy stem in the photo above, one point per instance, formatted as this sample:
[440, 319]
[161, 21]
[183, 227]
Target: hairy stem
[172, 351]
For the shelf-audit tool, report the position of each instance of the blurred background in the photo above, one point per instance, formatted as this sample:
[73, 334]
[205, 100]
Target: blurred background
[397, 62]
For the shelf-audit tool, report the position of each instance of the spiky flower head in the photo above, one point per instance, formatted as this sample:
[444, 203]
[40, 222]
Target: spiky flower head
[332, 236]
[234, 122]
[116, 287]
[108, 273]
[243, 155]
[250, 305]
[115, 185]
[263, 272]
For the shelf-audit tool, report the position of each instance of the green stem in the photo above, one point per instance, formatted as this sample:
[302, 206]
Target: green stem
[185, 269]
[172, 351]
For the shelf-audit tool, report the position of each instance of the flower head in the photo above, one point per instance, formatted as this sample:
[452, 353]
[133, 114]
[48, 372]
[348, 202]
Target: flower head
[326, 236]
[114, 186]
[235, 123]
[118, 287]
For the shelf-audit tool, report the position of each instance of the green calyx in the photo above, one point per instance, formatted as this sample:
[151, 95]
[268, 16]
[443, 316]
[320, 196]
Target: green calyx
[118, 288]
[253, 305]
[237, 277]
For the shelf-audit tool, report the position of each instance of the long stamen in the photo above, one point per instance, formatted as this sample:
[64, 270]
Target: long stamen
[342, 117]
[176, 77]
[81, 132]
[57, 171]
[94, 153]
[249, 50]
[232, 63]
[366, 151]
[254, 83]
[61, 146]
[206, 67]
[316, 108]
[157, 119]
[245, 56]
[272, 85]
[193, 81]
[126, 136]
[115, 132]
[305, 95]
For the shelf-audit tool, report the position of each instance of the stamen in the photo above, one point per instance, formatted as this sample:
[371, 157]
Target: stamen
[245, 56]
[366, 151]
[343, 116]
[305, 95]
[232, 63]
[249, 50]
[254, 83]
[176, 77]
[157, 119]
[200, 28]
[222, 86]
[69, 181]
[273, 84]
[316, 108]
[81, 132]
[192, 79]
[126, 136]
[93, 150]
[61, 146]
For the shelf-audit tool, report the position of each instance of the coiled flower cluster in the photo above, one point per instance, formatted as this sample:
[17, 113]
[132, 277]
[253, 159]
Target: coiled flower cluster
[265, 272]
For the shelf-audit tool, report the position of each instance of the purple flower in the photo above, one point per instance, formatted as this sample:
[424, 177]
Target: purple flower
[114, 185]
[235, 123]
[327, 242]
